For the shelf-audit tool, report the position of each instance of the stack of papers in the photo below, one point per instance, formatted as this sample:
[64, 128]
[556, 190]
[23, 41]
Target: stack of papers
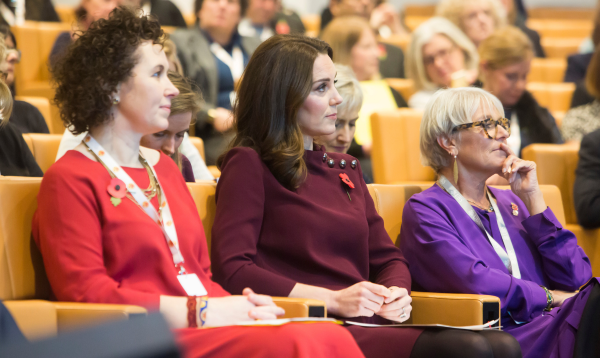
[479, 327]
[279, 322]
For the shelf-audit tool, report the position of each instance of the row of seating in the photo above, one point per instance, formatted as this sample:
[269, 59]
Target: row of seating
[554, 13]
[23, 277]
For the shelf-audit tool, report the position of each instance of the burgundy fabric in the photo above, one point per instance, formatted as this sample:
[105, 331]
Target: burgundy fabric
[186, 170]
[270, 238]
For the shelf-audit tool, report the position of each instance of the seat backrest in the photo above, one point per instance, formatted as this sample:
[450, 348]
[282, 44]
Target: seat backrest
[549, 70]
[561, 27]
[42, 104]
[400, 41]
[18, 262]
[395, 153]
[199, 144]
[553, 96]
[560, 47]
[45, 148]
[556, 165]
[405, 86]
[204, 197]
[390, 200]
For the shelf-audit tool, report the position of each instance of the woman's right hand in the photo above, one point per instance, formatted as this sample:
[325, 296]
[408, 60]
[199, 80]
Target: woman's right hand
[223, 119]
[225, 311]
[362, 299]
[560, 297]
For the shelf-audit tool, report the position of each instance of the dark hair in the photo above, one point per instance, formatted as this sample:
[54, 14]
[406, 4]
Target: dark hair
[198, 6]
[5, 30]
[275, 84]
[101, 58]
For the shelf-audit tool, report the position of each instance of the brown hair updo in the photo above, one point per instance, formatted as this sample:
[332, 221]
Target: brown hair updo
[99, 60]
[275, 84]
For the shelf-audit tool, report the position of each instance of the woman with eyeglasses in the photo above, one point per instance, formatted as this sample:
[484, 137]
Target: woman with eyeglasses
[462, 236]
[504, 63]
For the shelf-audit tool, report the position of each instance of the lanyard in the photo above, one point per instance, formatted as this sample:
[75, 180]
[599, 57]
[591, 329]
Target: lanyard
[164, 219]
[235, 62]
[509, 259]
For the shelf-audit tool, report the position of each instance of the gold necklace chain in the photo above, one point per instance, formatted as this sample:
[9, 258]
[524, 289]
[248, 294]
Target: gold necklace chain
[152, 189]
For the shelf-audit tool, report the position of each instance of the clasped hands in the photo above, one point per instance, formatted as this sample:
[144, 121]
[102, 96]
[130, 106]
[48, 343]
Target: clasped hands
[367, 299]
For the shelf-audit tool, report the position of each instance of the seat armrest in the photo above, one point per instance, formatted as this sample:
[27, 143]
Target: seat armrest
[35, 318]
[453, 309]
[301, 307]
[72, 315]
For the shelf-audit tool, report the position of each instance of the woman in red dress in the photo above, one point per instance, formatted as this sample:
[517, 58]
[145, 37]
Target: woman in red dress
[295, 221]
[105, 240]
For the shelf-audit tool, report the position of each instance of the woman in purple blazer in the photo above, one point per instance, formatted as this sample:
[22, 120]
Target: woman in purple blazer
[461, 236]
[293, 220]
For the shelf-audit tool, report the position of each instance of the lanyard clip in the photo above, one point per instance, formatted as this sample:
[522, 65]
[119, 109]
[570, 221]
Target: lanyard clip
[181, 269]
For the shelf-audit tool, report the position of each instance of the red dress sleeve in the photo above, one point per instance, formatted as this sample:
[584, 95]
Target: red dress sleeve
[238, 222]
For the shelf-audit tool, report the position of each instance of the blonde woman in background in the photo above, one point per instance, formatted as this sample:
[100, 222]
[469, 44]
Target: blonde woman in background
[439, 56]
[15, 157]
[476, 18]
[505, 59]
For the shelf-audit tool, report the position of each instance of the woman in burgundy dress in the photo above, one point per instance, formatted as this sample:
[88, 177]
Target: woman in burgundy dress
[295, 221]
[105, 240]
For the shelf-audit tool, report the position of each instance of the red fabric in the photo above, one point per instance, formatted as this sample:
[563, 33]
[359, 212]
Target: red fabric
[96, 252]
[269, 238]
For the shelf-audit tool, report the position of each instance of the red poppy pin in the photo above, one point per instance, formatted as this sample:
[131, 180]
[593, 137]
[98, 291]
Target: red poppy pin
[515, 209]
[117, 191]
[282, 27]
[348, 183]
[382, 52]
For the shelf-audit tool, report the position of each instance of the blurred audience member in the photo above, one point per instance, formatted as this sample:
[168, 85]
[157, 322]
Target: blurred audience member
[26, 117]
[87, 12]
[347, 114]
[15, 157]
[505, 61]
[586, 191]
[439, 56]
[35, 10]
[166, 12]
[214, 55]
[476, 18]
[516, 18]
[171, 53]
[584, 119]
[265, 18]
[382, 16]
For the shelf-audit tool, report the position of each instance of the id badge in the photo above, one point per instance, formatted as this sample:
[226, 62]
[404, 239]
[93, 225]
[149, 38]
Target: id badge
[192, 285]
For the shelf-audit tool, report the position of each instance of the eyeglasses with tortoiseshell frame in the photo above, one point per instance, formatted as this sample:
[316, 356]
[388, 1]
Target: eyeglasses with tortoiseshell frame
[489, 126]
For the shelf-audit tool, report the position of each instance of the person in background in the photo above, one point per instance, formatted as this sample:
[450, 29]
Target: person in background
[265, 18]
[586, 190]
[439, 56]
[505, 61]
[183, 108]
[476, 18]
[382, 16]
[166, 12]
[585, 119]
[35, 10]
[517, 19]
[213, 55]
[347, 114]
[15, 157]
[173, 141]
[462, 236]
[294, 220]
[104, 239]
[87, 12]
[26, 117]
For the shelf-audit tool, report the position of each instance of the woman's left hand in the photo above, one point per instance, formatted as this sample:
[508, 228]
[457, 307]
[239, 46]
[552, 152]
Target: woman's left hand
[522, 177]
[396, 307]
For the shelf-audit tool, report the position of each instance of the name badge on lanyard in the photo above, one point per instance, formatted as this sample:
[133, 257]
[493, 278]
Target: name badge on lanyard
[508, 257]
[190, 282]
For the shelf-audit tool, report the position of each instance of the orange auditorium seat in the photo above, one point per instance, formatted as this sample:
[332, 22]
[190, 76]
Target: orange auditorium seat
[396, 40]
[553, 96]
[405, 86]
[560, 47]
[44, 148]
[561, 13]
[561, 27]
[395, 154]
[549, 70]
[42, 104]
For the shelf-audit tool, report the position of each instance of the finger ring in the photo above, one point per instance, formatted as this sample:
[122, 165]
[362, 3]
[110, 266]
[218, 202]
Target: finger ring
[403, 315]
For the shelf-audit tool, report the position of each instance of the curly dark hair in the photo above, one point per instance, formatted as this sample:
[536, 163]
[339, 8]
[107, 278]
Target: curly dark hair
[101, 58]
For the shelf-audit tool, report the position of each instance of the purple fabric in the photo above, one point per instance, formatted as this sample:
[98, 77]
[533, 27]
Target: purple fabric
[447, 252]
[186, 170]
